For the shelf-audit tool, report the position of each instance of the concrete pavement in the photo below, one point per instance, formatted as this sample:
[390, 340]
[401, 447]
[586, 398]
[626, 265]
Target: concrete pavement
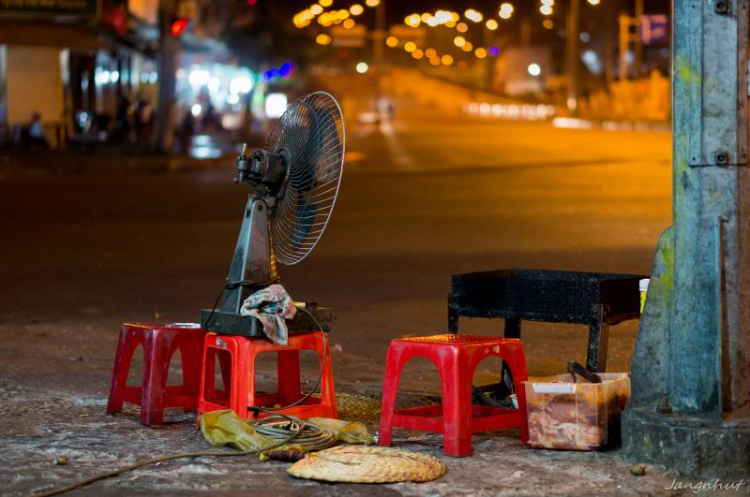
[427, 196]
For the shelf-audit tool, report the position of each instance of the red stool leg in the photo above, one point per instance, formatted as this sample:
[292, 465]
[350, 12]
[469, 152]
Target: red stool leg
[520, 374]
[191, 351]
[288, 373]
[243, 376]
[327, 387]
[127, 344]
[156, 364]
[456, 376]
[393, 366]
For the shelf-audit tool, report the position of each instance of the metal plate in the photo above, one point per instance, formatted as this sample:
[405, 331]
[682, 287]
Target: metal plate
[233, 324]
[712, 74]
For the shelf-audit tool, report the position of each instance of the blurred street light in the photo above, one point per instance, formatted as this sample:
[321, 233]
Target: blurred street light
[417, 54]
[447, 60]
[410, 46]
[323, 39]
[546, 10]
[241, 84]
[349, 24]
[461, 27]
[491, 25]
[198, 77]
[362, 67]
[356, 9]
[594, 2]
[534, 69]
[506, 11]
[372, 3]
[326, 3]
[276, 104]
[413, 20]
[480, 52]
[473, 15]
[391, 41]
[459, 41]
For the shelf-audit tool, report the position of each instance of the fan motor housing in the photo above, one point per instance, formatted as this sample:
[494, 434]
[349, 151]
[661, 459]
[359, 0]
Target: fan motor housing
[263, 168]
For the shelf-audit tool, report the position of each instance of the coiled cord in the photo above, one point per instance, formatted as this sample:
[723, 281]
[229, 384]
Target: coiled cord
[310, 437]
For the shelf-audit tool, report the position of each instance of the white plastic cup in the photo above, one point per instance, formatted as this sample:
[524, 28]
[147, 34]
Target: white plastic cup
[643, 288]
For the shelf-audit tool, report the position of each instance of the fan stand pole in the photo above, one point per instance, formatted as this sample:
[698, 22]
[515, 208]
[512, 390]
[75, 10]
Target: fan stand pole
[252, 262]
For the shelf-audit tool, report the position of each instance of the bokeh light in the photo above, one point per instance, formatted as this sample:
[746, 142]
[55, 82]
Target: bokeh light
[362, 67]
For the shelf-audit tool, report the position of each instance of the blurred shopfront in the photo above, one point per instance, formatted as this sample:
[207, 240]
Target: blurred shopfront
[75, 63]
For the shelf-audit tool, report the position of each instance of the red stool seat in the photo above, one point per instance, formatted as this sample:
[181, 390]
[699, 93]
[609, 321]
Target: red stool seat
[159, 341]
[236, 359]
[456, 358]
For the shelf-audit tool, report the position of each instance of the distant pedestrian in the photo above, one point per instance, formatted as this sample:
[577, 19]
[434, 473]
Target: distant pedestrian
[4, 132]
[35, 132]
[185, 131]
[123, 120]
[211, 121]
[385, 108]
[143, 123]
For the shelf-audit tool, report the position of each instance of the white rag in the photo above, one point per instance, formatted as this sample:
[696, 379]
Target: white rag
[271, 306]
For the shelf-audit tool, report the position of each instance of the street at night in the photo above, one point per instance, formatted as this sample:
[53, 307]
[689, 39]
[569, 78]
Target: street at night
[368, 247]
[419, 202]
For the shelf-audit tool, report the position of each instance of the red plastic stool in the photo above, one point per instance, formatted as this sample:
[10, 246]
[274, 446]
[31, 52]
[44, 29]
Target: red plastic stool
[159, 341]
[456, 357]
[236, 358]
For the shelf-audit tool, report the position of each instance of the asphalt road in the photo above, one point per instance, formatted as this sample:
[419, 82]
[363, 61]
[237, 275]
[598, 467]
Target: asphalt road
[423, 197]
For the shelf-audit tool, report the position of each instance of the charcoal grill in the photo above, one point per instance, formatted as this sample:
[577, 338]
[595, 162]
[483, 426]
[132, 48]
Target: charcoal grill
[594, 299]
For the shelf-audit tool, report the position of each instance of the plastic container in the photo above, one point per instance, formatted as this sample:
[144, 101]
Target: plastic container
[575, 416]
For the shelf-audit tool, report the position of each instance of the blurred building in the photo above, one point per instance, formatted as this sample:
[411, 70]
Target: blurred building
[73, 61]
[95, 68]
[523, 70]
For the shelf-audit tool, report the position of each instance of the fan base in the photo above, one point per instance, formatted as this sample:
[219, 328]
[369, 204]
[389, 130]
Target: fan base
[229, 323]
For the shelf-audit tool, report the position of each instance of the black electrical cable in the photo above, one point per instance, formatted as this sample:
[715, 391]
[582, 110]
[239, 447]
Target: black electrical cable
[326, 354]
[312, 437]
[231, 285]
[297, 423]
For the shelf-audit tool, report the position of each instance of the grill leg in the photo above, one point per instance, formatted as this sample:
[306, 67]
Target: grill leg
[452, 318]
[513, 328]
[596, 359]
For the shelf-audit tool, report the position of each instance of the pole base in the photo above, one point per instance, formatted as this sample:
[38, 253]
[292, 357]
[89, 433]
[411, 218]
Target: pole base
[693, 446]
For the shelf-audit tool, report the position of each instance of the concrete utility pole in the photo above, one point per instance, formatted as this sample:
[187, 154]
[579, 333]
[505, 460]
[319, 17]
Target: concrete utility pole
[572, 55]
[690, 372]
[169, 48]
[378, 38]
[638, 63]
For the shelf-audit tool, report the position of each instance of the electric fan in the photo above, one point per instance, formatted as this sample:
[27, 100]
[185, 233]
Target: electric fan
[294, 183]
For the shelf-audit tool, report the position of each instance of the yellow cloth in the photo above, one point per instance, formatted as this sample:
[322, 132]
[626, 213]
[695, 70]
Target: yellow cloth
[223, 428]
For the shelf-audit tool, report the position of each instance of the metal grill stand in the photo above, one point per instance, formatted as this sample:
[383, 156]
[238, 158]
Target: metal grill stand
[594, 299]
